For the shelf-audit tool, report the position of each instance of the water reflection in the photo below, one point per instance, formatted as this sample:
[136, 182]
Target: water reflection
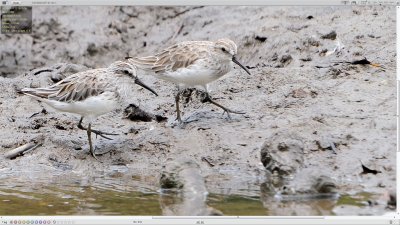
[132, 195]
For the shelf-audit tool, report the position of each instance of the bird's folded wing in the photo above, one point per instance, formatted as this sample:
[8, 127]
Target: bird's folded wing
[72, 89]
[170, 59]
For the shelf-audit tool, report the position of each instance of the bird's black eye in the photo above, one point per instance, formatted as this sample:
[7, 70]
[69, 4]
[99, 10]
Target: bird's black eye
[223, 49]
[127, 72]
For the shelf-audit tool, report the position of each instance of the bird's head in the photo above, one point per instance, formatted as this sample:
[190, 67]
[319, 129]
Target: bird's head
[227, 49]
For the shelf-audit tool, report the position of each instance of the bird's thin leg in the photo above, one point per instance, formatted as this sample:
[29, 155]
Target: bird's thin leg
[97, 132]
[178, 112]
[208, 99]
[89, 134]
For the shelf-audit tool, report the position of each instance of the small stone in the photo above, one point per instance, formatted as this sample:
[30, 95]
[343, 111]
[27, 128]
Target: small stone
[282, 154]
[260, 38]
[306, 59]
[284, 61]
[299, 93]
[325, 184]
[313, 42]
[332, 35]
[134, 113]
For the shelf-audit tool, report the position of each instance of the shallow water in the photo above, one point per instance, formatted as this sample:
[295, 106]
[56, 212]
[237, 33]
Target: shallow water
[27, 199]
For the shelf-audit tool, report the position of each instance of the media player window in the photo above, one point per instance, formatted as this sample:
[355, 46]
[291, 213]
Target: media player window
[167, 113]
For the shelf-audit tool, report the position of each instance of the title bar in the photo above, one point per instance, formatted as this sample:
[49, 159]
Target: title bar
[198, 2]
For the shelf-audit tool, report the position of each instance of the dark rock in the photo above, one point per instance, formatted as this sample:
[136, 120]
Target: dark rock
[359, 36]
[38, 123]
[169, 181]
[324, 184]
[367, 170]
[134, 113]
[60, 127]
[159, 118]
[260, 38]
[311, 41]
[331, 35]
[284, 61]
[92, 49]
[323, 52]
[282, 154]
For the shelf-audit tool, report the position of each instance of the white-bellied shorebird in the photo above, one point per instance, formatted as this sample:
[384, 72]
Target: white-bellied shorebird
[90, 94]
[190, 64]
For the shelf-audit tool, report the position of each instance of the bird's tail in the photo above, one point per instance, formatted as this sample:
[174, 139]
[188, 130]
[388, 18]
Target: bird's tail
[38, 93]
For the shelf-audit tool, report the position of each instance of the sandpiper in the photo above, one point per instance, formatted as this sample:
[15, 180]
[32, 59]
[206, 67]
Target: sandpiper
[90, 94]
[191, 64]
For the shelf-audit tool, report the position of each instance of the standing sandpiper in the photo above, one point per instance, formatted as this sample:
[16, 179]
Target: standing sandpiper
[90, 94]
[192, 63]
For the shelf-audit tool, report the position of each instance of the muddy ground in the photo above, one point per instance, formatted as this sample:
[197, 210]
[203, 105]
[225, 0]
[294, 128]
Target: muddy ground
[313, 106]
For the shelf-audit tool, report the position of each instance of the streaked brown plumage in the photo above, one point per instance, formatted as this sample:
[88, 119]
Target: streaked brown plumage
[90, 93]
[192, 63]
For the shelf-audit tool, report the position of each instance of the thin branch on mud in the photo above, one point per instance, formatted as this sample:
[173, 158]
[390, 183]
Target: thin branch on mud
[22, 150]
[178, 31]
[205, 159]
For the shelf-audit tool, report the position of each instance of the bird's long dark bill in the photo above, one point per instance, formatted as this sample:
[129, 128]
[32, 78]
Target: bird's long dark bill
[137, 81]
[237, 62]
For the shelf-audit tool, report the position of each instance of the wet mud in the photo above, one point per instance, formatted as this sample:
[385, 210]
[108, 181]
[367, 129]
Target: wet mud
[320, 104]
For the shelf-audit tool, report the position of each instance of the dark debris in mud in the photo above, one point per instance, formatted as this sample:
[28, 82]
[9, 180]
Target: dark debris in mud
[134, 113]
[367, 170]
[331, 35]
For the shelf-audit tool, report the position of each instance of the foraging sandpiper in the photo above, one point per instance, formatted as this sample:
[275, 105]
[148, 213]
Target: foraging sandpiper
[90, 94]
[192, 63]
